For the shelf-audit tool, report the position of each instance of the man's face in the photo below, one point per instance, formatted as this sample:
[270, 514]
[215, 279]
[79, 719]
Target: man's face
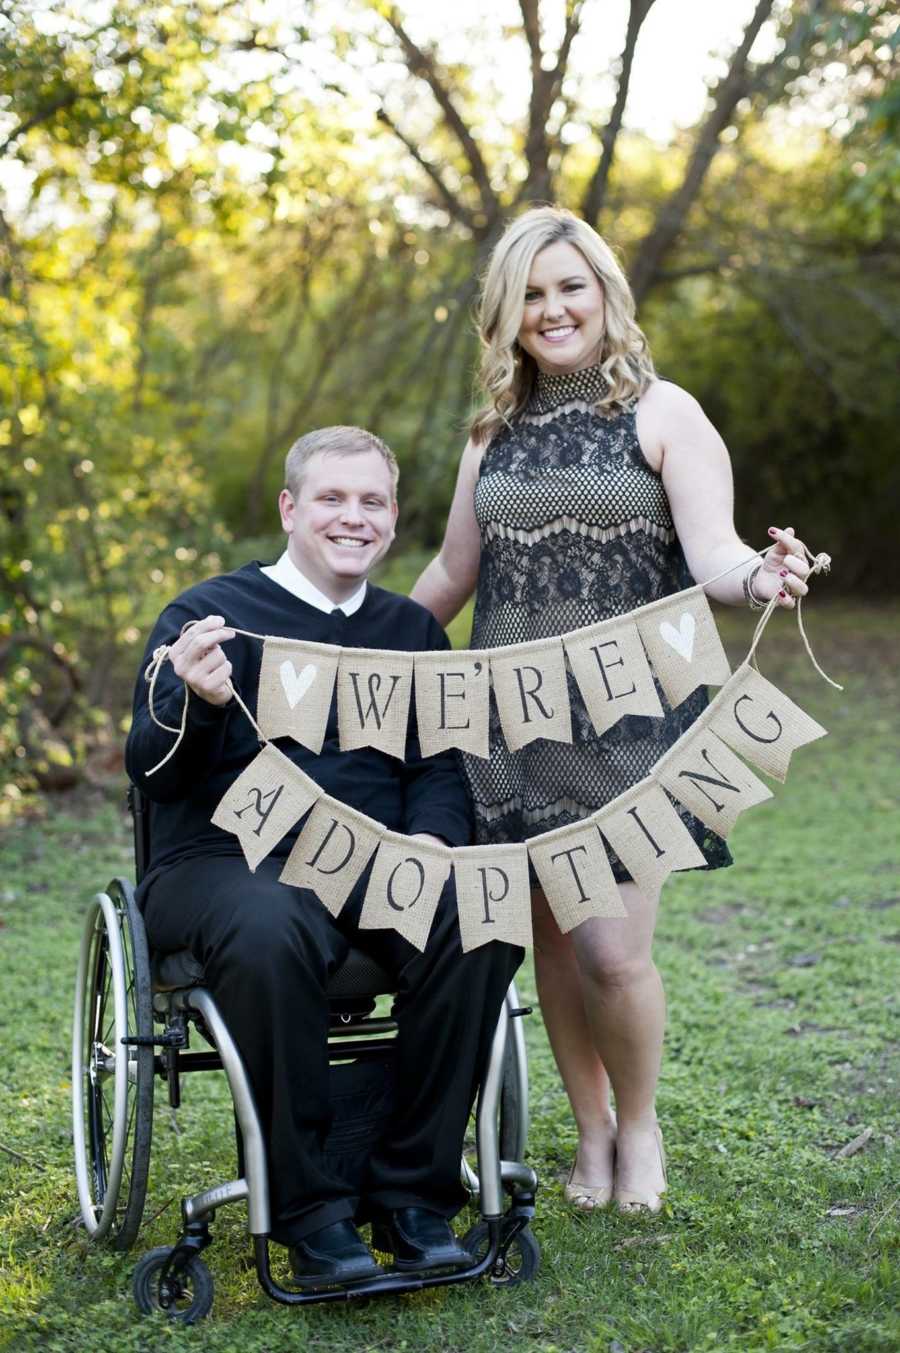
[342, 521]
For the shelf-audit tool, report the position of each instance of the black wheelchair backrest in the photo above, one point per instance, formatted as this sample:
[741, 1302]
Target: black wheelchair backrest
[139, 808]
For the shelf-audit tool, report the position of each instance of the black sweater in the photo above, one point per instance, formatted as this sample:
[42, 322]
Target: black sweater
[417, 795]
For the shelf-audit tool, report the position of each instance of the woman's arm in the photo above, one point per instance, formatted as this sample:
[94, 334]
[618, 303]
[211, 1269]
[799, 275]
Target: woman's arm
[680, 442]
[449, 580]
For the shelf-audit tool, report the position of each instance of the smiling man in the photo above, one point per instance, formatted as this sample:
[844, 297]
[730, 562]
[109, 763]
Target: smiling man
[268, 949]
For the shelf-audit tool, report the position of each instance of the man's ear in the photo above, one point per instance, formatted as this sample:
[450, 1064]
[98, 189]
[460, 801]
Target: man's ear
[286, 510]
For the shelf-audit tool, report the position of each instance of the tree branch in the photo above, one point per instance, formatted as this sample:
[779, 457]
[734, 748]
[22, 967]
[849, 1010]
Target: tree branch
[596, 190]
[730, 90]
[423, 65]
[545, 88]
[457, 209]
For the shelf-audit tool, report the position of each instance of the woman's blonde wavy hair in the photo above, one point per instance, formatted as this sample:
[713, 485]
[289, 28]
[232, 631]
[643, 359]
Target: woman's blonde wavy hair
[507, 372]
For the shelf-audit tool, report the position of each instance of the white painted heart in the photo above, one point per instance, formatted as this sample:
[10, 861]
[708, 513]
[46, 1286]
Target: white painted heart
[295, 683]
[681, 639]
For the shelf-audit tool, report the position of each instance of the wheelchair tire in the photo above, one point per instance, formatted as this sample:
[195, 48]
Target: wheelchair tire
[192, 1297]
[112, 1085]
[518, 1263]
[513, 1130]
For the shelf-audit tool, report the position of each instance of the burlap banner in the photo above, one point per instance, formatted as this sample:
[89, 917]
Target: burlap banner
[452, 702]
[609, 663]
[493, 896]
[264, 802]
[575, 874]
[296, 682]
[373, 688]
[331, 852]
[702, 772]
[405, 886]
[760, 722]
[531, 693]
[649, 837]
[683, 644]
[707, 777]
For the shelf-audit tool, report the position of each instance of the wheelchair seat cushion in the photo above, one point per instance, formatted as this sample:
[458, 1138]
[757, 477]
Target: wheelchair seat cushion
[358, 976]
[169, 972]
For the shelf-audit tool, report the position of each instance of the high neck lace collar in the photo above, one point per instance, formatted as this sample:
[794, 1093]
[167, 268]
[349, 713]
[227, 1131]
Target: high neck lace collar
[550, 391]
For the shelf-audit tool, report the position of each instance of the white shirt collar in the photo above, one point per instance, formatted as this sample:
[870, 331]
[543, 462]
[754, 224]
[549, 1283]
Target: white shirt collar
[286, 573]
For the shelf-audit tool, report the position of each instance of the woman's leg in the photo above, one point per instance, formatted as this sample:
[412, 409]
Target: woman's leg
[626, 1010]
[559, 987]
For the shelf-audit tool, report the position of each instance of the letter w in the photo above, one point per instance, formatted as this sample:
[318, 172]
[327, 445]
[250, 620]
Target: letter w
[373, 711]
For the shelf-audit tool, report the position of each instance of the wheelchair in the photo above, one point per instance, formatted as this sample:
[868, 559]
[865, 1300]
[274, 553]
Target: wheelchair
[134, 1014]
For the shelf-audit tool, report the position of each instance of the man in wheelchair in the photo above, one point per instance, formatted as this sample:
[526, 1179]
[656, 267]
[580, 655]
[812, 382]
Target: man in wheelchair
[267, 948]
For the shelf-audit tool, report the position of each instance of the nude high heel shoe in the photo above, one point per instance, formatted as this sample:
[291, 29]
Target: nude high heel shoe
[630, 1201]
[587, 1197]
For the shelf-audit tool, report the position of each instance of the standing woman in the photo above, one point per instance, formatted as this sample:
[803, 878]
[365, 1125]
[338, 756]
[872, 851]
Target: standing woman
[588, 487]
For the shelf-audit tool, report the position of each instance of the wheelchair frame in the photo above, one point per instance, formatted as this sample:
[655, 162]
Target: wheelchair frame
[117, 1056]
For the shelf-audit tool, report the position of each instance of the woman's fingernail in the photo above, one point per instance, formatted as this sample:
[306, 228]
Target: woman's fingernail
[782, 593]
[783, 573]
[772, 531]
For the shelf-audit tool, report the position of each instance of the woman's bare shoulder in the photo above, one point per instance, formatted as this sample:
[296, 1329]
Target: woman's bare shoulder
[666, 399]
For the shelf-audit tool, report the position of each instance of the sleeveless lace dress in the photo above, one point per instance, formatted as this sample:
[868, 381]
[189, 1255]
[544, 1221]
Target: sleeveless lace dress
[575, 528]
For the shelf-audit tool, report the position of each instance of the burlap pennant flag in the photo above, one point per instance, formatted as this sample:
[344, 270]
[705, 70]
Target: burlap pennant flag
[758, 720]
[331, 852]
[609, 663]
[683, 644]
[649, 837]
[405, 887]
[531, 693]
[493, 895]
[452, 702]
[706, 776]
[575, 874]
[296, 682]
[264, 802]
[374, 688]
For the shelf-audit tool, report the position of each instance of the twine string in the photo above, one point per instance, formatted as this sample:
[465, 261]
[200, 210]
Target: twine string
[160, 656]
[819, 563]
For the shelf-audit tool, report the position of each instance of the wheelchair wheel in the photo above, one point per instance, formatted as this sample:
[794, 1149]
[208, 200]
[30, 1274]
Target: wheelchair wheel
[514, 1090]
[112, 1083]
[517, 1263]
[187, 1297]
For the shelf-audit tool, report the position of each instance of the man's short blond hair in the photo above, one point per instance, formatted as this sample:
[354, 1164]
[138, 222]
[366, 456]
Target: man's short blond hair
[336, 441]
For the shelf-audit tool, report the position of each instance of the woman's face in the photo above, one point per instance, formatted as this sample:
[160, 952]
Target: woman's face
[565, 315]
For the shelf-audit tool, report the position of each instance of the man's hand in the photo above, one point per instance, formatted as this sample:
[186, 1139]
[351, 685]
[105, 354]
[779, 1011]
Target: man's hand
[200, 661]
[427, 836]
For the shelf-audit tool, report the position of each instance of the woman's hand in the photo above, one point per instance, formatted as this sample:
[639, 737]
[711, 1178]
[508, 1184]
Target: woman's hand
[784, 569]
[200, 661]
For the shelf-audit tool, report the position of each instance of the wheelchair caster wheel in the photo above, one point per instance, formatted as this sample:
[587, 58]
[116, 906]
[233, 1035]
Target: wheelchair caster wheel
[517, 1263]
[187, 1297]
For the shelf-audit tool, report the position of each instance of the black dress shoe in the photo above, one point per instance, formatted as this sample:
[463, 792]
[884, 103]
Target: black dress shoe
[334, 1254]
[419, 1239]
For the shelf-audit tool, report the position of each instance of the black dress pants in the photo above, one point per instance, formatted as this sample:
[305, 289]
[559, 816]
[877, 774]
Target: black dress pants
[268, 951]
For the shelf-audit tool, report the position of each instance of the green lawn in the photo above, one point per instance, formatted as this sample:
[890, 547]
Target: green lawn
[782, 981]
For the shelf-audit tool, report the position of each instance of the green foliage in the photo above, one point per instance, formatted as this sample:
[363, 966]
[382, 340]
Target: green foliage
[781, 1050]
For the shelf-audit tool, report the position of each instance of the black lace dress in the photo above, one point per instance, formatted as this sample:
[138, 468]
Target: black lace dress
[575, 528]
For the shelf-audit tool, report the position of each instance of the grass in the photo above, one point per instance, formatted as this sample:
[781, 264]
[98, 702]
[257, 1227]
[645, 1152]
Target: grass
[782, 982]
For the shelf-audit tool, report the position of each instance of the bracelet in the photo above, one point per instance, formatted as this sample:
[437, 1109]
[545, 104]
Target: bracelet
[750, 596]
